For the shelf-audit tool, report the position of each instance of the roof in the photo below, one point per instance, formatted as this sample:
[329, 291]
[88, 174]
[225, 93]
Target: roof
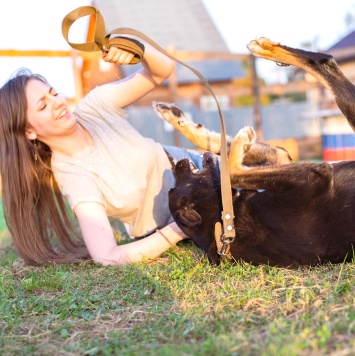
[213, 70]
[344, 50]
[347, 41]
[184, 24]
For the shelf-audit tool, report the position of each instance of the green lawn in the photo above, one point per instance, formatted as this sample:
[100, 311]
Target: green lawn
[175, 305]
[5, 238]
[2, 219]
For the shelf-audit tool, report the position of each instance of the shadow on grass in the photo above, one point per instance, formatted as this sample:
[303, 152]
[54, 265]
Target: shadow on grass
[175, 305]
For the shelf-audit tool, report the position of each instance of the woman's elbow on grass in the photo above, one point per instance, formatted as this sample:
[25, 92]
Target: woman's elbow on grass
[120, 255]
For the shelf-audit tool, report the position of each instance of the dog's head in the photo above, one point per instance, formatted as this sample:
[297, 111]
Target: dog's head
[195, 203]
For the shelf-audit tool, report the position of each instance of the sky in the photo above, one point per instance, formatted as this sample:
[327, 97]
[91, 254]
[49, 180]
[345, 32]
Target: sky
[293, 23]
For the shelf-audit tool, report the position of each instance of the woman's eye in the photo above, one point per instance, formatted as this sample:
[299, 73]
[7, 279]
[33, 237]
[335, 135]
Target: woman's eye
[44, 106]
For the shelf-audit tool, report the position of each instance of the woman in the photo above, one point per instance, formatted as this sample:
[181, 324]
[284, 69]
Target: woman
[92, 157]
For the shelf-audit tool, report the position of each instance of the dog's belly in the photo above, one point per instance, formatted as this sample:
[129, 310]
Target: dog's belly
[282, 233]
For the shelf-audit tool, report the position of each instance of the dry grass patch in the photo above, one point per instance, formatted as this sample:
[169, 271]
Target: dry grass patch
[175, 305]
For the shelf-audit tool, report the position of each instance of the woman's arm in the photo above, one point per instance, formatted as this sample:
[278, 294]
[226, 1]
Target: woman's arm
[156, 67]
[100, 241]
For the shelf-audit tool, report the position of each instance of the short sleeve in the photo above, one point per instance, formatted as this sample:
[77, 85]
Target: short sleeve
[78, 188]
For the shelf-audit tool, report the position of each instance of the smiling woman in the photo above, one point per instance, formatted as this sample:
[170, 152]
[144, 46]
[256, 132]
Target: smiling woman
[49, 126]
[93, 159]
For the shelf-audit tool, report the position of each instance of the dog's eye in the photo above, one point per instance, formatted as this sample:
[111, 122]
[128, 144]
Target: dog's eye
[184, 201]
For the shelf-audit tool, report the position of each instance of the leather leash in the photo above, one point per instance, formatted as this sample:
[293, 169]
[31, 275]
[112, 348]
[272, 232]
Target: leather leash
[102, 42]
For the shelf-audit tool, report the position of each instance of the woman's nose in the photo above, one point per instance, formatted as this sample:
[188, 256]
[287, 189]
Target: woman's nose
[56, 100]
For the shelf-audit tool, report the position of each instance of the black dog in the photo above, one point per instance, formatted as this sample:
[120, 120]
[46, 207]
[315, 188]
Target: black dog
[287, 215]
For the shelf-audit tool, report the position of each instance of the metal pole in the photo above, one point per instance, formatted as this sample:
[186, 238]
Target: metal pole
[174, 96]
[256, 101]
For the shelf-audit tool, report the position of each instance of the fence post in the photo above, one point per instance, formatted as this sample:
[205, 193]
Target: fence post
[256, 101]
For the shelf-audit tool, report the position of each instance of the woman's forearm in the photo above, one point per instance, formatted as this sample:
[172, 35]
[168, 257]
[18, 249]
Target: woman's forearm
[150, 247]
[156, 64]
[156, 67]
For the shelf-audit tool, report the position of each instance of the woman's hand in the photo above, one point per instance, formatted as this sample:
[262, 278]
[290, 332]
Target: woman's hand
[118, 56]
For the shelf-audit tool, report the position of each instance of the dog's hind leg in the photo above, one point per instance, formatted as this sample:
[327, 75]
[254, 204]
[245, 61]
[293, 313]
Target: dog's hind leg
[275, 173]
[245, 152]
[322, 66]
[196, 133]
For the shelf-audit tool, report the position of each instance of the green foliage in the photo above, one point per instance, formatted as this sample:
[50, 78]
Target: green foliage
[175, 305]
[248, 100]
[2, 219]
[292, 97]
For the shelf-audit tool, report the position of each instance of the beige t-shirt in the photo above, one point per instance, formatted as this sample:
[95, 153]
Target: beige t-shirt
[127, 173]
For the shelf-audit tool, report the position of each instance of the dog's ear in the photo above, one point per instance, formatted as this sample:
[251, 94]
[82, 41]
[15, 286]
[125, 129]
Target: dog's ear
[188, 217]
[213, 256]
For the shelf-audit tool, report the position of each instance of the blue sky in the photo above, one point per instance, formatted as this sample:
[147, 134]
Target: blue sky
[290, 22]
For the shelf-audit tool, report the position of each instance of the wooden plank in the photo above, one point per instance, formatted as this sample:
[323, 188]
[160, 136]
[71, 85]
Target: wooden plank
[46, 53]
[33, 53]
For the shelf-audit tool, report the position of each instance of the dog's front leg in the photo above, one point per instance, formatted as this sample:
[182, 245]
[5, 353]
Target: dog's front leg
[196, 133]
[322, 66]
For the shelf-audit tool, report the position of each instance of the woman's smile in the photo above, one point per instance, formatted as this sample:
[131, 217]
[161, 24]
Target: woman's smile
[63, 114]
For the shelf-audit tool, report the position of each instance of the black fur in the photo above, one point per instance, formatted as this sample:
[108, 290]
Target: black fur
[306, 219]
[305, 214]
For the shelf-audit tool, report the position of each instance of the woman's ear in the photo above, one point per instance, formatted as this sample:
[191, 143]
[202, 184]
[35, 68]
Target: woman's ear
[31, 134]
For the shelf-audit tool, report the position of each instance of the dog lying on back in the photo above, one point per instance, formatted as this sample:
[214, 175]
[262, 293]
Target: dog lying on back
[286, 214]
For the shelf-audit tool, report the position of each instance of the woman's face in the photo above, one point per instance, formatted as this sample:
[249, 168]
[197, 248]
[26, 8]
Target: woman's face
[48, 114]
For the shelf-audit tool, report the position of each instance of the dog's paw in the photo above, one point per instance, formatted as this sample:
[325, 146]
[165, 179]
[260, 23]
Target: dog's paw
[265, 48]
[170, 113]
[240, 145]
[261, 46]
[245, 137]
[250, 132]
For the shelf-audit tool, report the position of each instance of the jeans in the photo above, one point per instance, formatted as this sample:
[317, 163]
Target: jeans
[178, 153]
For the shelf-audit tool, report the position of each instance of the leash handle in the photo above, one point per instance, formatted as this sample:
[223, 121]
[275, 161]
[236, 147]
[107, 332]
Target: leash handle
[99, 40]
[102, 42]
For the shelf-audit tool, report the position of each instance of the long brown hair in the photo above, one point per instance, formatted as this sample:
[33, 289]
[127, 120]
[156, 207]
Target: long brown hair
[35, 211]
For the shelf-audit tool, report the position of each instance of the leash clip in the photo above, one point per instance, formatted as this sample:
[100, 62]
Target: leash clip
[222, 241]
[226, 241]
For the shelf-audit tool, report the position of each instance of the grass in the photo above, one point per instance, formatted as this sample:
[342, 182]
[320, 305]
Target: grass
[175, 305]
